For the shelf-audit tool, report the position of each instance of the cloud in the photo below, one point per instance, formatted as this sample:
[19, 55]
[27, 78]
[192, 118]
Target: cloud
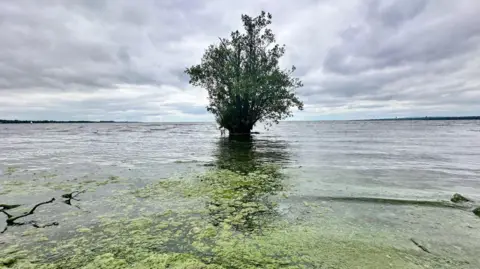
[120, 60]
[406, 33]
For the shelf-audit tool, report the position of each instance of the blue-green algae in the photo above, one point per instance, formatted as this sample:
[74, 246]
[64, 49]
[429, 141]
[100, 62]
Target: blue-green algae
[232, 223]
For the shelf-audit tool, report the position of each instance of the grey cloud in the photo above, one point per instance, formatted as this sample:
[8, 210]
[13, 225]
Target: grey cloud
[415, 83]
[188, 108]
[406, 32]
[394, 13]
[86, 45]
[418, 52]
[352, 55]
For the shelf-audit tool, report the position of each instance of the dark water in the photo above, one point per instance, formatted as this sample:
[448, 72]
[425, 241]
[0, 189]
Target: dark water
[426, 160]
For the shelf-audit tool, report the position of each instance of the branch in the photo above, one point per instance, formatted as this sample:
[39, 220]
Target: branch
[12, 219]
[72, 195]
[222, 41]
[420, 246]
[5, 212]
[6, 207]
[34, 224]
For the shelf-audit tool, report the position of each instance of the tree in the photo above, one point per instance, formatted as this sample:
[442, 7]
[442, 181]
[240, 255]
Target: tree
[244, 81]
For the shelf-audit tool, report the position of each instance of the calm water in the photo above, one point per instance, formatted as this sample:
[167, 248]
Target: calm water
[404, 158]
[426, 160]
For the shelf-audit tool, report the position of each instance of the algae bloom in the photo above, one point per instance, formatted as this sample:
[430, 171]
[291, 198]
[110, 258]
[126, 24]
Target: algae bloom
[229, 219]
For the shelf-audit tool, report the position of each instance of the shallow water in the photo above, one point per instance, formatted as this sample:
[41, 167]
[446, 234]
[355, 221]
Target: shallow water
[329, 165]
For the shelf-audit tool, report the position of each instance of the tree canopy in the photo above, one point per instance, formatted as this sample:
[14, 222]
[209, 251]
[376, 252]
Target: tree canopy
[243, 78]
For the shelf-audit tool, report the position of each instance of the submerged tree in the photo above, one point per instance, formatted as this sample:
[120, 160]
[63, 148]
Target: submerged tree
[244, 81]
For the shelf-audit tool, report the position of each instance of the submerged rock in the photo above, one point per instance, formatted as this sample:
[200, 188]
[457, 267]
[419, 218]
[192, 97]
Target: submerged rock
[476, 211]
[458, 198]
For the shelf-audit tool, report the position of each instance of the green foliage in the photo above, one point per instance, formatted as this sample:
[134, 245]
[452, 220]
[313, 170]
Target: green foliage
[244, 81]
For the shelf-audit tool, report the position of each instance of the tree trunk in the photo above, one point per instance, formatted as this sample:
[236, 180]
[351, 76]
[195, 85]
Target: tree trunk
[240, 130]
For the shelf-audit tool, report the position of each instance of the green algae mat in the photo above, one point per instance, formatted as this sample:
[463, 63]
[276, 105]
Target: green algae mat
[223, 218]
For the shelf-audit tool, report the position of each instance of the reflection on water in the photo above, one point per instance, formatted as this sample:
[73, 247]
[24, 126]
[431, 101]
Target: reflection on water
[246, 154]
[243, 187]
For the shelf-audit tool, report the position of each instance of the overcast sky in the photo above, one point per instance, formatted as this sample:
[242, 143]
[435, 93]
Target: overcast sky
[124, 60]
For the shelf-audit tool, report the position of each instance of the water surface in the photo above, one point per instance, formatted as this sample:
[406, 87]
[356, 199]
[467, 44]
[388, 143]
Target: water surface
[329, 165]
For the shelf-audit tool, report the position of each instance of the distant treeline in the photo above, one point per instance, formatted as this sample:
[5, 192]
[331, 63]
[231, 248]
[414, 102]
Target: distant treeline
[51, 121]
[435, 118]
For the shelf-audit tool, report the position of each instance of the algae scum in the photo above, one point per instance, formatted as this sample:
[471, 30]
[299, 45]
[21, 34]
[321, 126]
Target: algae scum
[240, 212]
[232, 220]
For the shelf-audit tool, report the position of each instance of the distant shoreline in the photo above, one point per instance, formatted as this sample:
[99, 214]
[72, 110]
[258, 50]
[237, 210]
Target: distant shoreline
[382, 119]
[428, 118]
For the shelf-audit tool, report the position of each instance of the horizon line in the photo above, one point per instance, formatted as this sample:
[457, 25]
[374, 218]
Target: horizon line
[6, 121]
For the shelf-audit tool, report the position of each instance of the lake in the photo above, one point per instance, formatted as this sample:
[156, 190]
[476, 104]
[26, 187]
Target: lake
[384, 184]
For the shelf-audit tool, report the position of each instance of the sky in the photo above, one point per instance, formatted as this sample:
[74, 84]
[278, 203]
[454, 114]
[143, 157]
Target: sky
[125, 60]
